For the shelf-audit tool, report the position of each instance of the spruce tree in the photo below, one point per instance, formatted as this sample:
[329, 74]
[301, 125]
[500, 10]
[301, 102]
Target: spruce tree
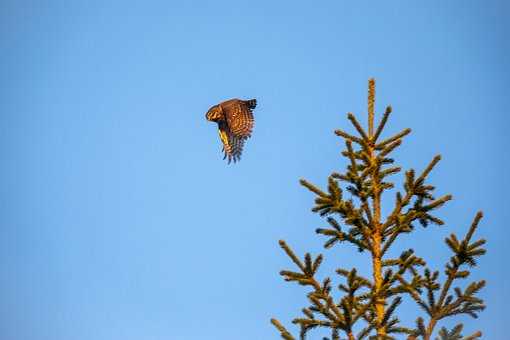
[367, 307]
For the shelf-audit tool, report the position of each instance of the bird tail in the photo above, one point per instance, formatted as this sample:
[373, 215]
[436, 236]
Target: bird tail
[252, 103]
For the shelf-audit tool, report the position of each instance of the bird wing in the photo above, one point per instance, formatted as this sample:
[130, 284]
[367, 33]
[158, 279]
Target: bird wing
[239, 118]
[232, 144]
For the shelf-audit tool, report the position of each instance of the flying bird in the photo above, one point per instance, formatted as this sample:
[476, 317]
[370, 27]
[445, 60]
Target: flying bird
[235, 124]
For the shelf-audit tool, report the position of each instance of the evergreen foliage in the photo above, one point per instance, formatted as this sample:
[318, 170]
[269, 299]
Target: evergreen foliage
[369, 305]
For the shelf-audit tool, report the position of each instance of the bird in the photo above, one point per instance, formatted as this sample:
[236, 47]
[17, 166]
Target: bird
[235, 125]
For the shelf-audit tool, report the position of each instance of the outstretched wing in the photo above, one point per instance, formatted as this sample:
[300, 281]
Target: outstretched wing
[236, 126]
[239, 117]
[232, 144]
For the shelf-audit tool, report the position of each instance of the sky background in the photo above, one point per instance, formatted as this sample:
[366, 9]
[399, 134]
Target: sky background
[119, 218]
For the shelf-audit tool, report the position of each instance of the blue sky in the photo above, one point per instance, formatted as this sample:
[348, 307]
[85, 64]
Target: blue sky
[119, 219]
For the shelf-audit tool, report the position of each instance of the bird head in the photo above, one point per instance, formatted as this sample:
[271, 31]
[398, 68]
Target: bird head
[214, 114]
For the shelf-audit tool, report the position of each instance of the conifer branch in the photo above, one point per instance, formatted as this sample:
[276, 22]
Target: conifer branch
[351, 155]
[291, 254]
[455, 334]
[382, 123]
[437, 203]
[398, 136]
[284, 333]
[371, 102]
[428, 169]
[356, 220]
[349, 137]
[389, 148]
[464, 302]
[358, 127]
[312, 188]
[337, 316]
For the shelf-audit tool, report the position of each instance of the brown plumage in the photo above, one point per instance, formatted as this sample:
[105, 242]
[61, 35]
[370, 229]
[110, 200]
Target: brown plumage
[235, 124]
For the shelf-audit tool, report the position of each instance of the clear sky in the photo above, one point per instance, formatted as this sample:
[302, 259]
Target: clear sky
[119, 218]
